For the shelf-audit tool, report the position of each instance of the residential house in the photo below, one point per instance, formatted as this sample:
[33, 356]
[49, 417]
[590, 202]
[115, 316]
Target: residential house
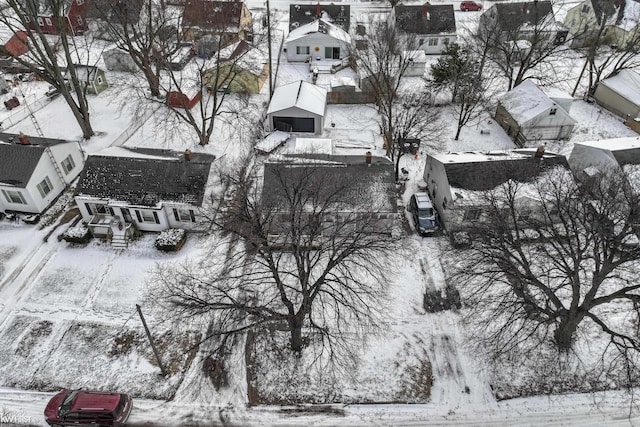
[297, 107]
[591, 159]
[522, 21]
[432, 25]
[35, 171]
[358, 185]
[620, 94]
[114, 12]
[72, 15]
[527, 114]
[244, 70]
[622, 27]
[124, 189]
[583, 18]
[302, 14]
[12, 44]
[91, 76]
[318, 40]
[456, 182]
[228, 21]
[116, 59]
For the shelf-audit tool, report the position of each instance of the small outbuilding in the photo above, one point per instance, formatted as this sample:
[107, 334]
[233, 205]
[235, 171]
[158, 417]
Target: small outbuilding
[186, 99]
[116, 59]
[298, 107]
[93, 77]
[620, 94]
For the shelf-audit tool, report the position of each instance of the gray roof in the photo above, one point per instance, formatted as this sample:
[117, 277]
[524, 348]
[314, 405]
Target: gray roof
[426, 19]
[115, 10]
[146, 176]
[302, 14]
[357, 183]
[629, 156]
[511, 16]
[486, 175]
[18, 161]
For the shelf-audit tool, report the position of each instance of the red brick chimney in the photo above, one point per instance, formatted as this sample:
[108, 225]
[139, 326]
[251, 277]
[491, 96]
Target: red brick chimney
[24, 139]
[318, 11]
[187, 155]
[539, 152]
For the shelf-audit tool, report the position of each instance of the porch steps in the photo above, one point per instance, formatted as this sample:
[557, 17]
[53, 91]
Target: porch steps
[119, 242]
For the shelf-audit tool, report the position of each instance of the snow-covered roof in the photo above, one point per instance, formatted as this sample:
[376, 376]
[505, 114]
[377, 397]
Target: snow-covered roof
[527, 101]
[320, 26]
[626, 84]
[343, 81]
[272, 141]
[561, 8]
[630, 16]
[300, 94]
[309, 146]
[614, 144]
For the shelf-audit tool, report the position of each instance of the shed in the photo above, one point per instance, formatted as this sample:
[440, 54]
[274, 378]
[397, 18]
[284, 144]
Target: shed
[297, 107]
[185, 99]
[620, 94]
[93, 77]
[116, 59]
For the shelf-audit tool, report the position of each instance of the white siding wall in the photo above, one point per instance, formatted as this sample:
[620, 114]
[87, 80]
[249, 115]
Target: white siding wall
[438, 188]
[6, 205]
[436, 49]
[547, 126]
[314, 41]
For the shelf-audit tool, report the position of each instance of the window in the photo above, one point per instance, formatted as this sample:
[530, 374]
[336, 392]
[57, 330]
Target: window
[99, 80]
[585, 9]
[68, 164]
[45, 187]
[27, 18]
[48, 21]
[184, 215]
[302, 50]
[147, 216]
[553, 111]
[472, 214]
[79, 19]
[14, 197]
[79, 2]
[433, 42]
[97, 209]
[421, 42]
[40, 22]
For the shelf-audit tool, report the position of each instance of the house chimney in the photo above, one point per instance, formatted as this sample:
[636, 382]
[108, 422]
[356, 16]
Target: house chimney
[187, 155]
[318, 11]
[539, 152]
[367, 158]
[424, 11]
[24, 139]
[524, 8]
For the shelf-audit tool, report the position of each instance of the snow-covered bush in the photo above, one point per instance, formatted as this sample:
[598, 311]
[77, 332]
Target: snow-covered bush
[79, 233]
[171, 239]
[460, 239]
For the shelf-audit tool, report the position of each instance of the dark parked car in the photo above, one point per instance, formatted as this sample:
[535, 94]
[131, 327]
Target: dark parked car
[466, 6]
[424, 216]
[80, 407]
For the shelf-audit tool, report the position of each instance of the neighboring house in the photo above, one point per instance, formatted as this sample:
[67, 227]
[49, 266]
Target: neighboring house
[35, 171]
[229, 21]
[522, 21]
[583, 18]
[317, 40]
[116, 59]
[91, 76]
[456, 181]
[73, 14]
[115, 12]
[527, 114]
[12, 45]
[620, 94]
[623, 26]
[369, 183]
[591, 159]
[186, 99]
[245, 70]
[297, 107]
[432, 25]
[302, 14]
[123, 189]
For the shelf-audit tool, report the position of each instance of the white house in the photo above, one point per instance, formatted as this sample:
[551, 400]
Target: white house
[35, 171]
[317, 40]
[527, 114]
[620, 94]
[591, 158]
[297, 107]
[123, 189]
[456, 181]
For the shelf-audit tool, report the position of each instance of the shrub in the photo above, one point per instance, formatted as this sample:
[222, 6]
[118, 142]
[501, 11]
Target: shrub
[171, 239]
[77, 234]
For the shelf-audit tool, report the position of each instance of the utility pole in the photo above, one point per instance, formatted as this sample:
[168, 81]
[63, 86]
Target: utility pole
[153, 346]
[270, 57]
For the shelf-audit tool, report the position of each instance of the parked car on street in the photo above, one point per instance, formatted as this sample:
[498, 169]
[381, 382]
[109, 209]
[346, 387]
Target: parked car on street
[95, 408]
[423, 214]
[466, 6]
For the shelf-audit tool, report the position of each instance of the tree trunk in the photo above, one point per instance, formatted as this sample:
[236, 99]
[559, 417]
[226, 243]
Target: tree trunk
[295, 328]
[563, 335]
[153, 80]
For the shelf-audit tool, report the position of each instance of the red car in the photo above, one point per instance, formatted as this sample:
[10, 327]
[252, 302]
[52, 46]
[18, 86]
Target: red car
[466, 6]
[80, 407]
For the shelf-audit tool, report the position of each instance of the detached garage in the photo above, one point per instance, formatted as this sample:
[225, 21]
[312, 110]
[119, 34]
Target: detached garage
[620, 94]
[298, 107]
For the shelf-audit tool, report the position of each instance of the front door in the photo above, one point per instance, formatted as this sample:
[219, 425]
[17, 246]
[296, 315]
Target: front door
[126, 215]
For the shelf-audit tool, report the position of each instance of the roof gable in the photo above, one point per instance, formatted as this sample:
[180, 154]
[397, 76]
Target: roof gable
[301, 14]
[145, 177]
[300, 94]
[320, 26]
[527, 101]
[425, 19]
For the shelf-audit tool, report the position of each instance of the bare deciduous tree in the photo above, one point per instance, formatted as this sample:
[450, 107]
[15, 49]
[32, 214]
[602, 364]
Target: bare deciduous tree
[541, 272]
[310, 259]
[47, 51]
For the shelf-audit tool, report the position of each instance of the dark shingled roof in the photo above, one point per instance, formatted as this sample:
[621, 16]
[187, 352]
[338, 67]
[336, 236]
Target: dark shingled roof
[17, 161]
[212, 14]
[115, 10]
[362, 184]
[302, 14]
[426, 19]
[147, 181]
[511, 16]
[486, 175]
[629, 156]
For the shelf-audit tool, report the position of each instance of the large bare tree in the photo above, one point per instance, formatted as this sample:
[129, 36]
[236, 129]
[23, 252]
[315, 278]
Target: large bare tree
[51, 57]
[306, 254]
[543, 272]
